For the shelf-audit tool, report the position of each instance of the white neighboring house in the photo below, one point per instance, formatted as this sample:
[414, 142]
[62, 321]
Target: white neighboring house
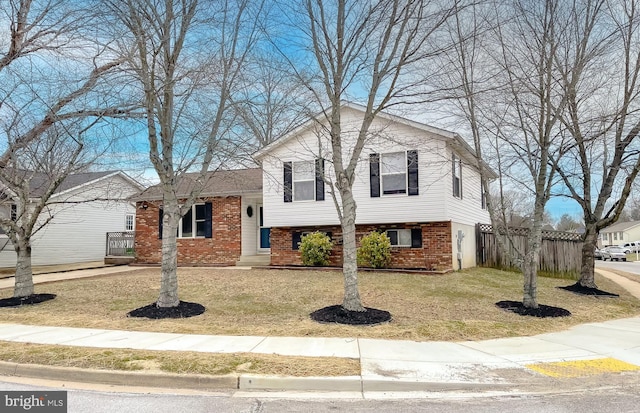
[416, 182]
[619, 233]
[84, 208]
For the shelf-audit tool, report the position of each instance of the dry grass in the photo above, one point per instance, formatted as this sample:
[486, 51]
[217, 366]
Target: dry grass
[457, 306]
[176, 362]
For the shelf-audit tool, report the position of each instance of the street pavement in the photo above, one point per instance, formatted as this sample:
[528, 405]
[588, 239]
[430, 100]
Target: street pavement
[502, 366]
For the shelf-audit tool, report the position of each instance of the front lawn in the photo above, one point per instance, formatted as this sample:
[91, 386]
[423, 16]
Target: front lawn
[456, 306]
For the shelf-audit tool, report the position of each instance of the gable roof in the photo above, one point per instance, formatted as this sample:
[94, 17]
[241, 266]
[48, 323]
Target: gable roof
[39, 181]
[217, 183]
[621, 226]
[452, 138]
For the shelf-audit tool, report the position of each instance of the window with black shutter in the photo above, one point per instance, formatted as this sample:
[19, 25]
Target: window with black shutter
[394, 173]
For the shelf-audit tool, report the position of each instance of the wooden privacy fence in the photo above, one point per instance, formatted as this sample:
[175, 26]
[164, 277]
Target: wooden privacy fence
[120, 244]
[560, 252]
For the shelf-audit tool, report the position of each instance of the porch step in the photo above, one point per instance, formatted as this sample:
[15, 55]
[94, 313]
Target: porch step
[254, 260]
[119, 260]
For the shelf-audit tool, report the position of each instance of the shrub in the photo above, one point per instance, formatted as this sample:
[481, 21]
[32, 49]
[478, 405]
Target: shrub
[315, 249]
[375, 250]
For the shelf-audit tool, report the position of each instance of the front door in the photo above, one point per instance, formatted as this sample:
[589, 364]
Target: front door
[264, 233]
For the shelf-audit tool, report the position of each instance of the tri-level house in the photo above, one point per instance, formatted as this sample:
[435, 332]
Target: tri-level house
[413, 181]
[417, 183]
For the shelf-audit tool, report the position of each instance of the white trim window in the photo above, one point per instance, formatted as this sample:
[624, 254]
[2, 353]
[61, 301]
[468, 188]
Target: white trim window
[393, 171]
[399, 237]
[304, 180]
[457, 176]
[129, 222]
[193, 223]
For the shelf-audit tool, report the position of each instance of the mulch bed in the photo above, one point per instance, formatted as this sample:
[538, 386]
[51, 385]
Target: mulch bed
[337, 314]
[542, 311]
[579, 289]
[182, 310]
[28, 300]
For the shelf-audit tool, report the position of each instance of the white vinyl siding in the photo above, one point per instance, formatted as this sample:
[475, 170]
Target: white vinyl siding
[434, 202]
[78, 231]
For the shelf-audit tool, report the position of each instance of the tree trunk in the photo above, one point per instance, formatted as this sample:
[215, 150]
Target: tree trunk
[530, 273]
[169, 282]
[587, 277]
[531, 262]
[24, 273]
[351, 300]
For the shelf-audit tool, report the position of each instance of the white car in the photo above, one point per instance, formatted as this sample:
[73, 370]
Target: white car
[614, 253]
[633, 246]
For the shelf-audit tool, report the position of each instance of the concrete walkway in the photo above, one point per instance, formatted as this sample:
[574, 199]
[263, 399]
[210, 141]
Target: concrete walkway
[504, 365]
[8, 272]
[633, 287]
[70, 274]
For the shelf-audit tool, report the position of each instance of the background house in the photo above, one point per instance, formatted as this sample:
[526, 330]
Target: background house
[619, 233]
[84, 208]
[416, 182]
[222, 228]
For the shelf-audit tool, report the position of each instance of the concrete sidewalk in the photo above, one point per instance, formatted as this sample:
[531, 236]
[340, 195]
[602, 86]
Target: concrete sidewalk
[386, 365]
[504, 365]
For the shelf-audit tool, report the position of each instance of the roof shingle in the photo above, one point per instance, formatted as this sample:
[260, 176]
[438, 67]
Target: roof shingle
[216, 183]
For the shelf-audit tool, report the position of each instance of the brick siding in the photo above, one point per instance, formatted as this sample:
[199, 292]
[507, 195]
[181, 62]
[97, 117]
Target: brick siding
[435, 254]
[223, 248]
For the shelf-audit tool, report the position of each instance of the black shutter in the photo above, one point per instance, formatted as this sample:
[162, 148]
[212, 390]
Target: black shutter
[319, 179]
[208, 221]
[374, 174]
[412, 169]
[288, 182]
[296, 237]
[416, 237]
[160, 213]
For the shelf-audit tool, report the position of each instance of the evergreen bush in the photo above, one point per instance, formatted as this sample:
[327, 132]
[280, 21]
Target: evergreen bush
[375, 250]
[315, 249]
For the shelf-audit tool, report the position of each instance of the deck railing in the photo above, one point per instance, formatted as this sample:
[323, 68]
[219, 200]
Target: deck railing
[121, 244]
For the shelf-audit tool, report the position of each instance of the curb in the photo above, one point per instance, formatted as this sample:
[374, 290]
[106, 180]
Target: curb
[121, 378]
[244, 382]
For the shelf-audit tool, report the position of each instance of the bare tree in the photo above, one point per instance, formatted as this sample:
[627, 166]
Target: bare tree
[631, 212]
[187, 58]
[600, 159]
[53, 86]
[568, 223]
[272, 101]
[504, 82]
[368, 50]
[29, 178]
